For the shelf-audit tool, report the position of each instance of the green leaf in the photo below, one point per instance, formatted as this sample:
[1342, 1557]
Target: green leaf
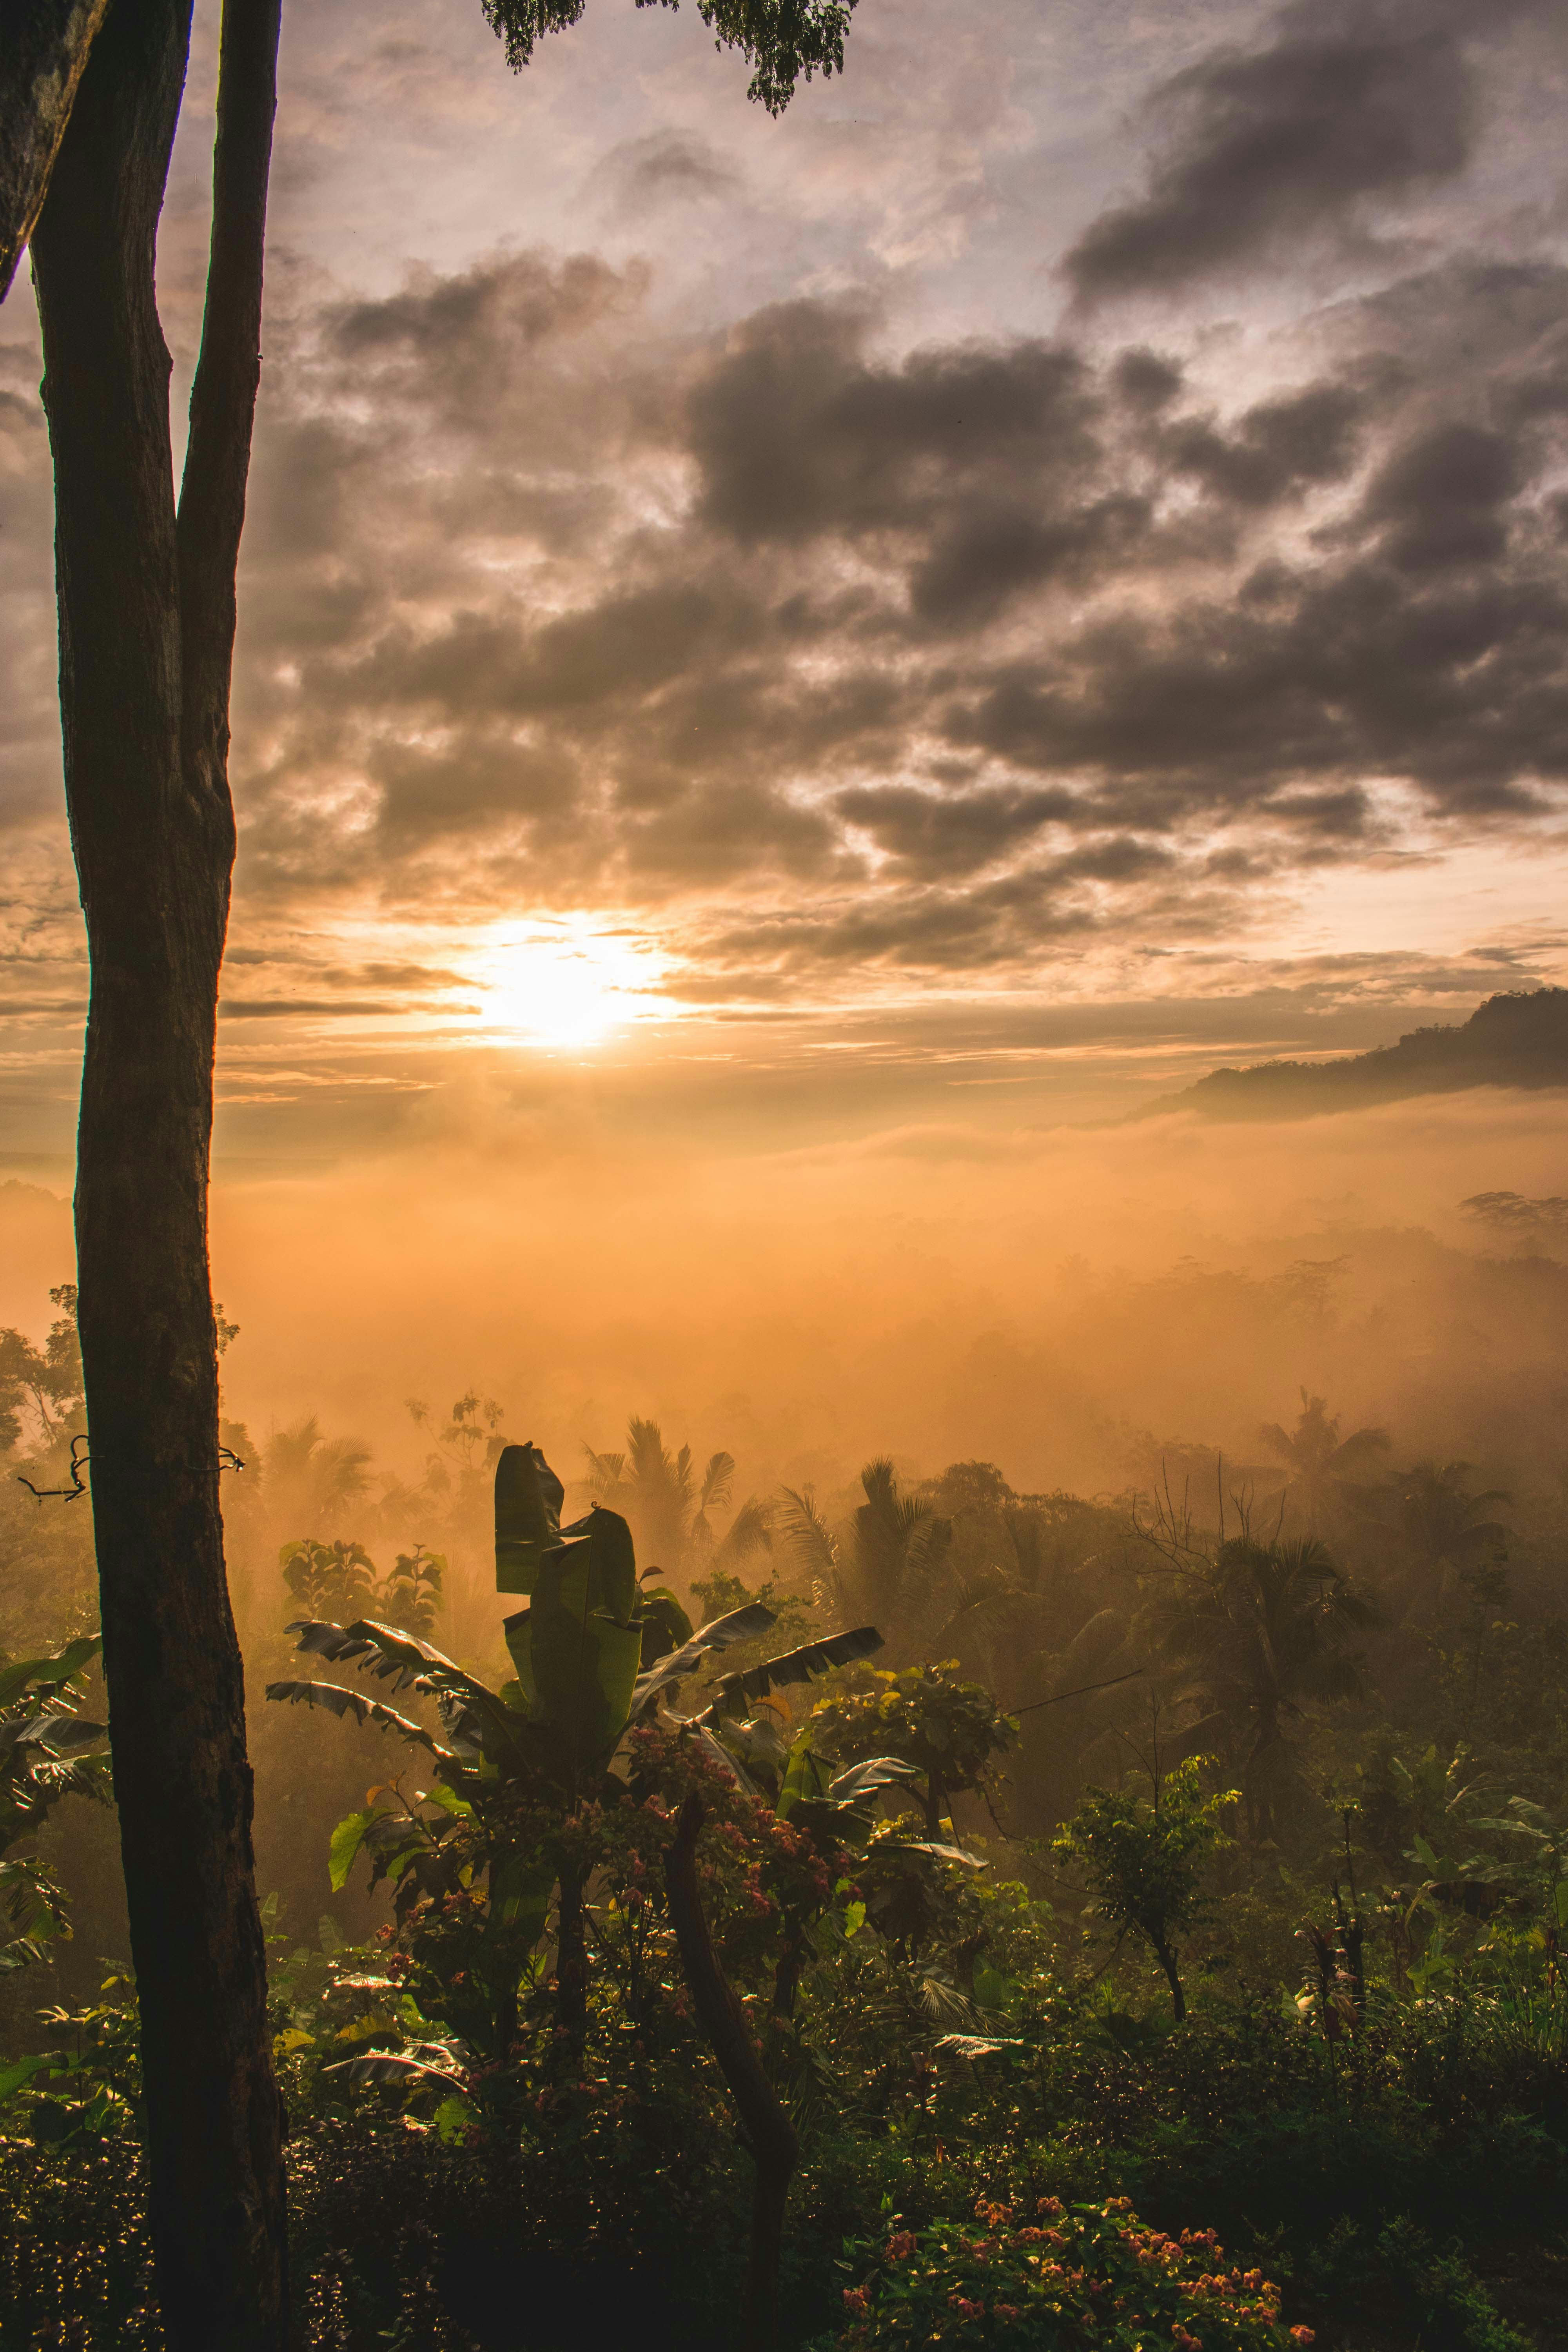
[527, 1499]
[583, 1646]
[63, 1668]
[806, 1776]
[22, 2070]
[344, 1849]
[520, 1896]
[454, 2119]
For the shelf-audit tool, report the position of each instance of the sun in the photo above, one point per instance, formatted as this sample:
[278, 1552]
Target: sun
[565, 984]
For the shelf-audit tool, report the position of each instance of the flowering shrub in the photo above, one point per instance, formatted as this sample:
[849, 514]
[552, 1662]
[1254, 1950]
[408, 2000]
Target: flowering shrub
[1085, 2275]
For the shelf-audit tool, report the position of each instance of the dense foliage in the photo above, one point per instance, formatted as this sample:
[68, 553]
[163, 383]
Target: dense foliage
[1163, 1880]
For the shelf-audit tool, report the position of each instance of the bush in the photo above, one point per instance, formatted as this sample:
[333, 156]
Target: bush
[1090, 2274]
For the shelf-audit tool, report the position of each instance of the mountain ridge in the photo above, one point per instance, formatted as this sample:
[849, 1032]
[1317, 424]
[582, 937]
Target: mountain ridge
[1517, 1038]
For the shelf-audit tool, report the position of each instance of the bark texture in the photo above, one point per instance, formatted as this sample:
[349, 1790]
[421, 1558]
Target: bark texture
[770, 2136]
[44, 47]
[146, 617]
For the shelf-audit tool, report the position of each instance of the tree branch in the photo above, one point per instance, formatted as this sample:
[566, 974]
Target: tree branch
[46, 43]
[775, 2150]
[223, 396]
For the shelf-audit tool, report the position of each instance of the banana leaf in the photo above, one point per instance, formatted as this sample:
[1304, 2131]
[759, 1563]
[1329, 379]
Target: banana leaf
[340, 1702]
[60, 1734]
[583, 1643]
[392, 1655]
[527, 1499]
[665, 1625]
[720, 1633]
[869, 1778]
[800, 1665]
[517, 1632]
[63, 1668]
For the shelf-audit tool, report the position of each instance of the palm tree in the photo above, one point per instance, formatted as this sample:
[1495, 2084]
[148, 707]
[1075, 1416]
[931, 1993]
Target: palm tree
[889, 1565]
[1429, 1515]
[1319, 1459]
[310, 1479]
[669, 1507]
[1264, 1627]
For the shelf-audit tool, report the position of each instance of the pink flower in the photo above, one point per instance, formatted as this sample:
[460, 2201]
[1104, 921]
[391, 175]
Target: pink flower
[899, 2247]
[965, 2309]
[1005, 2310]
[1185, 2342]
[1301, 2336]
[1052, 2205]
[855, 2299]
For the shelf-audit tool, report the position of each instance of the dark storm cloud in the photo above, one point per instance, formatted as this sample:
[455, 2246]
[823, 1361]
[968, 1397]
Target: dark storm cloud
[931, 833]
[799, 435]
[1276, 450]
[959, 653]
[488, 317]
[1348, 105]
[1442, 499]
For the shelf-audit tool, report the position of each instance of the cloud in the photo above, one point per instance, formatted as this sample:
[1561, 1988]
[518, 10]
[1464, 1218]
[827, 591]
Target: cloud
[1265, 153]
[820, 655]
[665, 168]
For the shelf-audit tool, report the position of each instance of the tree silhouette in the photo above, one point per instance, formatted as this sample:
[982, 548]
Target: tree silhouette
[670, 1509]
[309, 1480]
[1261, 1628]
[1429, 1517]
[1320, 1461]
[147, 613]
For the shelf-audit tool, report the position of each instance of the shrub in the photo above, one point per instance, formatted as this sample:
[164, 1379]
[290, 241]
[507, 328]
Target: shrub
[1090, 2274]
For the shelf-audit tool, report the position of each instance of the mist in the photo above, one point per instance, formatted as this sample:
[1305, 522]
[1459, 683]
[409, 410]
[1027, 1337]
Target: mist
[1050, 1300]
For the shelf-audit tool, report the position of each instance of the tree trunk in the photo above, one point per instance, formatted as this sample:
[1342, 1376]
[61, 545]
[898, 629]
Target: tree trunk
[775, 2150]
[47, 43]
[1167, 1960]
[146, 611]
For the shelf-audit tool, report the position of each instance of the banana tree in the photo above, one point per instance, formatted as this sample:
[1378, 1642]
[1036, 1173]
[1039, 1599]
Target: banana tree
[593, 1653]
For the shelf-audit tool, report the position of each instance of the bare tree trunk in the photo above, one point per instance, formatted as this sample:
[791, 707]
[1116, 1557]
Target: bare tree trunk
[1167, 1960]
[146, 611]
[44, 46]
[775, 2150]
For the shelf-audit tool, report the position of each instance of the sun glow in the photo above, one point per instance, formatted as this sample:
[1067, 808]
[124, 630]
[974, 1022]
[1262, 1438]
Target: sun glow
[568, 984]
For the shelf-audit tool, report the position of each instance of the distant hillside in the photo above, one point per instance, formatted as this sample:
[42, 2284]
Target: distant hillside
[1519, 1040]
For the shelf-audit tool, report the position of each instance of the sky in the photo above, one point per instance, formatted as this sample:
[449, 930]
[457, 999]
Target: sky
[891, 633]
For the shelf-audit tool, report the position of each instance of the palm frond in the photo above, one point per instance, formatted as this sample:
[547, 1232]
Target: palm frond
[803, 1531]
[750, 1530]
[718, 1483]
